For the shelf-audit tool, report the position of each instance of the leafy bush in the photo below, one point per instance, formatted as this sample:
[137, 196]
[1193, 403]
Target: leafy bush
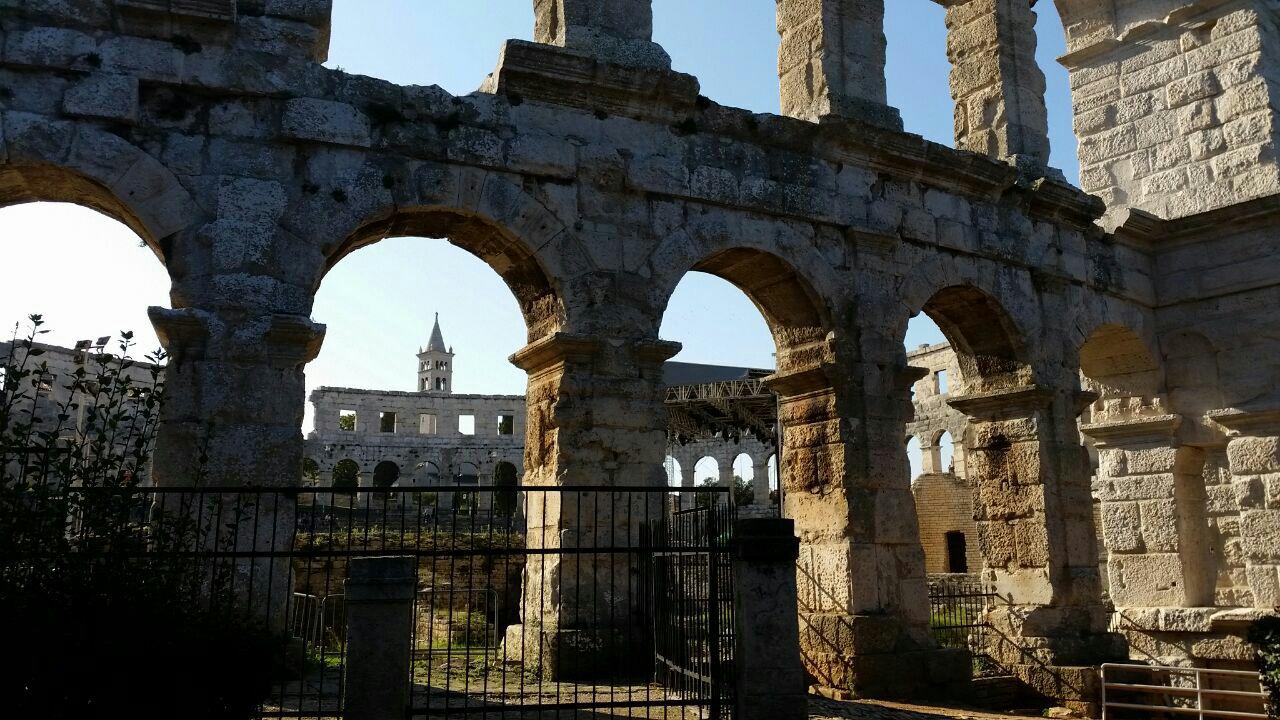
[102, 616]
[1265, 635]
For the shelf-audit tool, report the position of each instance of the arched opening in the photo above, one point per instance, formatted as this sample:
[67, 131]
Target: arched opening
[768, 323]
[675, 474]
[427, 475]
[433, 360]
[743, 480]
[466, 499]
[775, 497]
[915, 457]
[310, 471]
[946, 453]
[986, 342]
[706, 472]
[385, 474]
[962, 342]
[504, 489]
[80, 271]
[346, 475]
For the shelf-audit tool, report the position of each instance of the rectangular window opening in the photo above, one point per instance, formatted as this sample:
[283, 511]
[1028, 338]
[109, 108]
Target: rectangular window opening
[506, 424]
[427, 424]
[347, 420]
[387, 422]
[940, 379]
[467, 424]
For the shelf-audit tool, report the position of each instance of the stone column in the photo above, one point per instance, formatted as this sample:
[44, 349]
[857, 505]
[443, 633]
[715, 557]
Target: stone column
[831, 61]
[595, 417]
[726, 471]
[1153, 514]
[996, 83]
[617, 31]
[232, 416]
[234, 398]
[863, 600]
[1253, 452]
[760, 482]
[770, 677]
[1034, 513]
[379, 617]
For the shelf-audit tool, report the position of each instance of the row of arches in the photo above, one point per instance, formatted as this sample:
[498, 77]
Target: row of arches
[841, 376]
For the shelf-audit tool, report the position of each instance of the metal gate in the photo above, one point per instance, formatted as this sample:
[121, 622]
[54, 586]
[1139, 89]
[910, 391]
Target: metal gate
[692, 603]
[958, 606]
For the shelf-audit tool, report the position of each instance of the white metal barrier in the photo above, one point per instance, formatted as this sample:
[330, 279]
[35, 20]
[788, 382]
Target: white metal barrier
[1192, 693]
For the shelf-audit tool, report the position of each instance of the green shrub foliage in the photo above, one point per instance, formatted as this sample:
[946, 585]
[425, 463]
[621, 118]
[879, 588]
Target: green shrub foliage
[101, 616]
[1265, 635]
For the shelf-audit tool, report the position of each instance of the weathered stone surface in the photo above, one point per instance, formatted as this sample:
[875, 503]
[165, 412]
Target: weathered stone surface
[593, 180]
[110, 97]
[326, 121]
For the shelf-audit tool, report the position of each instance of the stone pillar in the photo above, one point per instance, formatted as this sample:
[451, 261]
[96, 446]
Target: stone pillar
[1253, 453]
[769, 675]
[863, 599]
[595, 417]
[1035, 527]
[232, 416]
[617, 31]
[726, 471]
[760, 482]
[996, 83]
[831, 61]
[234, 398]
[379, 617]
[1153, 514]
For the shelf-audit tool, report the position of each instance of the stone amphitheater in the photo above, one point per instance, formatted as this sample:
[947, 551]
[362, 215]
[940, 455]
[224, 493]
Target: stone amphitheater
[592, 176]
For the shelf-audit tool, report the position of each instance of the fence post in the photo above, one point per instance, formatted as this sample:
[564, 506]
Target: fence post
[769, 678]
[379, 610]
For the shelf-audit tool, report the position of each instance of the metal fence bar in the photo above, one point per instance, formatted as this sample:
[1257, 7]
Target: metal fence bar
[1132, 693]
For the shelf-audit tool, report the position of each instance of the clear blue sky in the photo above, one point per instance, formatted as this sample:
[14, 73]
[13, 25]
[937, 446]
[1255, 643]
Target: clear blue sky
[378, 303]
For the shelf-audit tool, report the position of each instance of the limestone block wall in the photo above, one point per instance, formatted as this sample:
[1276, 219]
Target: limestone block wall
[592, 179]
[944, 504]
[416, 454]
[1175, 102]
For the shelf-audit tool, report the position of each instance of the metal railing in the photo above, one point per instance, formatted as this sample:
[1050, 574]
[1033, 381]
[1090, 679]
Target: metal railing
[1171, 691]
[958, 607]
[549, 615]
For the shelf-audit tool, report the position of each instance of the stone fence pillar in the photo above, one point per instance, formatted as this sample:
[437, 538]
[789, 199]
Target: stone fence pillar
[767, 669]
[379, 607]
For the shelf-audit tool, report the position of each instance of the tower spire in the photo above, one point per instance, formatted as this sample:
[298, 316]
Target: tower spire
[436, 344]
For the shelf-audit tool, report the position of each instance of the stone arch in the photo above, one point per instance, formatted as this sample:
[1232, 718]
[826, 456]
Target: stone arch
[988, 343]
[1116, 363]
[346, 474]
[490, 216]
[67, 162]
[791, 302]
[706, 464]
[505, 496]
[674, 471]
[386, 474]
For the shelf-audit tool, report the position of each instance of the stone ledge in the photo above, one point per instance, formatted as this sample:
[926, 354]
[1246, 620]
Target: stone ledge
[560, 76]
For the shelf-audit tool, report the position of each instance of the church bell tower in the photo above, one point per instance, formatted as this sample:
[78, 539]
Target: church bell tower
[435, 364]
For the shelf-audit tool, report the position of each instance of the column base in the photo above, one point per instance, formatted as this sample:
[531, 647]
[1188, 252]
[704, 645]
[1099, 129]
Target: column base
[873, 656]
[580, 655]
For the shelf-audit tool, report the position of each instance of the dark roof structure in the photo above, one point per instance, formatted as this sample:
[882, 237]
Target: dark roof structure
[706, 401]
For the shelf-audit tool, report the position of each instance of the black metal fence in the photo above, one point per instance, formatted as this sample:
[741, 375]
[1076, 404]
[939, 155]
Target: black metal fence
[567, 606]
[958, 606]
[692, 588]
